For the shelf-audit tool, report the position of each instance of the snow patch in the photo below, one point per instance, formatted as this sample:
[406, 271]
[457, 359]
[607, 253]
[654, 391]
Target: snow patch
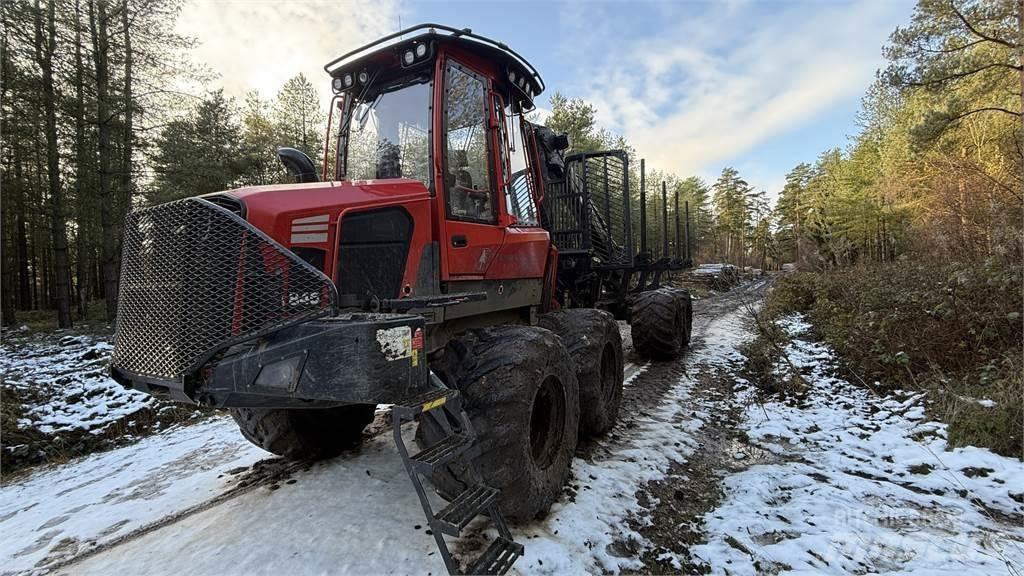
[865, 486]
[58, 512]
[64, 386]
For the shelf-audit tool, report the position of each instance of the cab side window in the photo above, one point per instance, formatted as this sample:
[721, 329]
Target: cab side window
[469, 193]
[518, 186]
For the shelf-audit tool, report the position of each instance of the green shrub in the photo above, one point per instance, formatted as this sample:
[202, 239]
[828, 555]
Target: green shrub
[954, 329]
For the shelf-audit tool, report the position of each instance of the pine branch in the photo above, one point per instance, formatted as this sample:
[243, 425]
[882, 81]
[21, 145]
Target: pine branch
[985, 109]
[975, 31]
[949, 50]
[961, 75]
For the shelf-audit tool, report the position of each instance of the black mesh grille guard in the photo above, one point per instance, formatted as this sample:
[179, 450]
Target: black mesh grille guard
[195, 279]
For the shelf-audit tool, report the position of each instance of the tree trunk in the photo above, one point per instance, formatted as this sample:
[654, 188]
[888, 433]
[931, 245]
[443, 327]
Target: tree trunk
[45, 47]
[1020, 60]
[108, 253]
[7, 291]
[82, 169]
[125, 188]
[24, 279]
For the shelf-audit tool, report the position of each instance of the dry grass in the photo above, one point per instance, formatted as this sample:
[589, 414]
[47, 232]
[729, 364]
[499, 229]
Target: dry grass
[952, 329]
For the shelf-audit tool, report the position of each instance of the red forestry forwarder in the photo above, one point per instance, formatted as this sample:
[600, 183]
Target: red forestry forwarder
[459, 267]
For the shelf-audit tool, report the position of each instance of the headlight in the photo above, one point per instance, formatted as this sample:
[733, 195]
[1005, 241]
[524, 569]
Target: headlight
[408, 57]
[348, 80]
[421, 50]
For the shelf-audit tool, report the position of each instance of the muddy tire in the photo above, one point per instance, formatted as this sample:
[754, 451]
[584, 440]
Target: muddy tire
[304, 434]
[686, 302]
[658, 324]
[520, 393]
[592, 338]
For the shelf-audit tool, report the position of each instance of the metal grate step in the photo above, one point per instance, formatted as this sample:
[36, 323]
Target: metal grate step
[462, 510]
[497, 559]
[441, 453]
[424, 402]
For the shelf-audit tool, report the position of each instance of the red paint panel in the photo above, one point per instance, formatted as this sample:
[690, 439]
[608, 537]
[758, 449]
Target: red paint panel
[482, 244]
[273, 209]
[523, 254]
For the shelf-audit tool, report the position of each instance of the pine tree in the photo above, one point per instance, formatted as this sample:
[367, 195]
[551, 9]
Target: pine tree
[298, 119]
[198, 154]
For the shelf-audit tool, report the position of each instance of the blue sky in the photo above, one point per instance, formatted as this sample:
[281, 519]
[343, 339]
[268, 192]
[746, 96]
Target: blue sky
[623, 54]
[695, 86]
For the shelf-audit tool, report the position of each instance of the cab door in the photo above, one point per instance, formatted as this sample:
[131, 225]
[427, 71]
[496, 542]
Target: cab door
[472, 233]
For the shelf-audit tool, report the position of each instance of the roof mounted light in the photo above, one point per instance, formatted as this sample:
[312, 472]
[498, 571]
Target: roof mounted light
[337, 84]
[349, 80]
[414, 54]
[364, 77]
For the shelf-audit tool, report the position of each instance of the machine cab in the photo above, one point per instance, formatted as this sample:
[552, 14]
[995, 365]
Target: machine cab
[444, 109]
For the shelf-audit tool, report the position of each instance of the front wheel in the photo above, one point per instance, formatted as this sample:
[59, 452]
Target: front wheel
[303, 434]
[521, 396]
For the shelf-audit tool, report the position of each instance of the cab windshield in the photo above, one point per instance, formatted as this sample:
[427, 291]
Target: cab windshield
[388, 134]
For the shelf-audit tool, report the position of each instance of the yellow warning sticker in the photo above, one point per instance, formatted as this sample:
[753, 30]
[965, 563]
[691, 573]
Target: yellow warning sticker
[434, 404]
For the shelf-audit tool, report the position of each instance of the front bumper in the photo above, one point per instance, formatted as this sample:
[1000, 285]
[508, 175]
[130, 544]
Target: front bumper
[347, 359]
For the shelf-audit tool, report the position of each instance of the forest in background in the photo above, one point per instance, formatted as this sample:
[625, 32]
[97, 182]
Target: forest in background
[911, 236]
[95, 122]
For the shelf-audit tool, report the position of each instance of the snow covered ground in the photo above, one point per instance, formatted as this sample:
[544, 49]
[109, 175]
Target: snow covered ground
[840, 481]
[59, 512]
[64, 386]
[61, 402]
[856, 483]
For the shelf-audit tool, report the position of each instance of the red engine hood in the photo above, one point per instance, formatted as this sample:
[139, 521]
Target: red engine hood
[273, 208]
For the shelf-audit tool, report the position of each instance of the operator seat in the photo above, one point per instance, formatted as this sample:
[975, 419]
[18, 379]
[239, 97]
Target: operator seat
[463, 178]
[460, 183]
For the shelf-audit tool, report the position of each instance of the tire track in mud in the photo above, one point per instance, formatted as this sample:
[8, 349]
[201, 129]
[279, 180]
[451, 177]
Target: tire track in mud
[647, 391]
[657, 378]
[677, 503]
[262, 473]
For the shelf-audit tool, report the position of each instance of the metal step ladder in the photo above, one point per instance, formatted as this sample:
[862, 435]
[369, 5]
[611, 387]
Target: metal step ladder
[458, 446]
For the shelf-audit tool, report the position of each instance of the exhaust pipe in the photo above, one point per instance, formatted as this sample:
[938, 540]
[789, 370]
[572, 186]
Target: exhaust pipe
[299, 164]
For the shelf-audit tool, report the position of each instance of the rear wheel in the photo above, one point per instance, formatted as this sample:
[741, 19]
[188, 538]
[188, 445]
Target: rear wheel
[302, 434]
[521, 396]
[592, 338]
[686, 302]
[658, 324]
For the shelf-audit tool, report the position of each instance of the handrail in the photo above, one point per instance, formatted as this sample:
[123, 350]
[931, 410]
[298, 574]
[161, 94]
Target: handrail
[455, 33]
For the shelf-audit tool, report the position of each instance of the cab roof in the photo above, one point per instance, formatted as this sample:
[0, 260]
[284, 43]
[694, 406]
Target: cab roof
[514, 72]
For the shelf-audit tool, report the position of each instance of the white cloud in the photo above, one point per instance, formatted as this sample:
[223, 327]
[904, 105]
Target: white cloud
[701, 93]
[260, 44]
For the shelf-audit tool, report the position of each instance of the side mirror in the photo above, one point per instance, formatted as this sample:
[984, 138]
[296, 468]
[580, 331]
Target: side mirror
[298, 163]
